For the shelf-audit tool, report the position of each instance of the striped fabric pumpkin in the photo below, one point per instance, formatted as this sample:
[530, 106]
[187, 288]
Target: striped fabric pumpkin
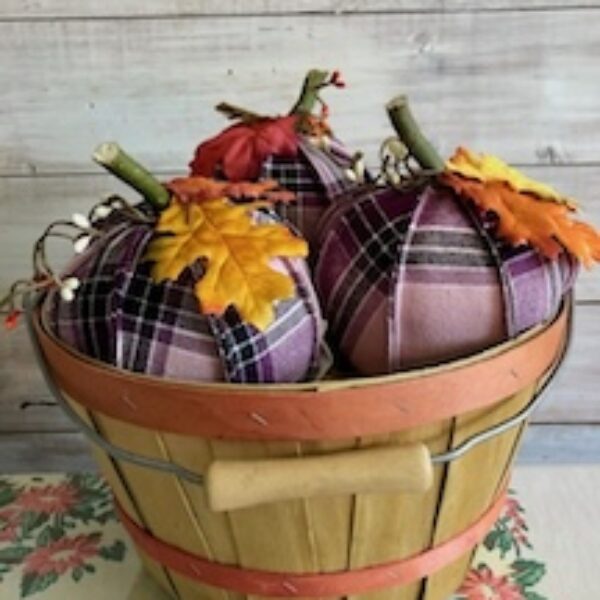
[120, 316]
[414, 278]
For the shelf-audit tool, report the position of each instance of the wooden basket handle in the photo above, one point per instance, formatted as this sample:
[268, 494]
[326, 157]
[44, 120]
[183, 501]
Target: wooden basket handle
[233, 484]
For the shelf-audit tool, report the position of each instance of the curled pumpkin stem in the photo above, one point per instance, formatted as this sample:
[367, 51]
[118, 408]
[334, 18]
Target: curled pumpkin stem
[112, 157]
[315, 81]
[412, 137]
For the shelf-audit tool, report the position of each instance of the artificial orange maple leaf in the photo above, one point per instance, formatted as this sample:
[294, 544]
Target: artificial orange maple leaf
[199, 189]
[522, 218]
[237, 251]
[314, 126]
[488, 168]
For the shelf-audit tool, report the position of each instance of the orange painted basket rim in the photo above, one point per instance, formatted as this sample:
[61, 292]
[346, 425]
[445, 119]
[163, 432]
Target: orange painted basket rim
[324, 410]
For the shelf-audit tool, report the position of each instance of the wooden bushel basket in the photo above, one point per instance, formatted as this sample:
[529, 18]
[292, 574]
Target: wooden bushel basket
[374, 487]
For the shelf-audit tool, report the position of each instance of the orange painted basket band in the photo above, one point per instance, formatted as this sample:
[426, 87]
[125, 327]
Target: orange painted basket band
[318, 411]
[313, 585]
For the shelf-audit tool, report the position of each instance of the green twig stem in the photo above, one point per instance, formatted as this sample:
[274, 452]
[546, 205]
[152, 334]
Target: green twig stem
[410, 134]
[309, 95]
[114, 159]
[231, 111]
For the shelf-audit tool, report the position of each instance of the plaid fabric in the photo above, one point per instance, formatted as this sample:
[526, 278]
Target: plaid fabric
[283, 352]
[315, 176]
[357, 258]
[414, 278]
[120, 316]
[533, 286]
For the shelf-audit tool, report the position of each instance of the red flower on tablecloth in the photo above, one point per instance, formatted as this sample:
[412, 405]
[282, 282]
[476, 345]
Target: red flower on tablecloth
[518, 528]
[50, 499]
[482, 584]
[62, 555]
[9, 526]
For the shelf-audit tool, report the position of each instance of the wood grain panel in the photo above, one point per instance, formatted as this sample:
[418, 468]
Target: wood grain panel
[44, 453]
[28, 204]
[524, 85]
[27, 9]
[560, 444]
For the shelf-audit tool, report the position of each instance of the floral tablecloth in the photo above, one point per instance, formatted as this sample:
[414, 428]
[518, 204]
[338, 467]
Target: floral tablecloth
[60, 540]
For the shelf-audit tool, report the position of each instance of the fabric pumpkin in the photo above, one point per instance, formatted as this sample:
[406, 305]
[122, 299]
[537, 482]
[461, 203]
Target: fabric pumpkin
[298, 151]
[120, 316]
[315, 175]
[415, 278]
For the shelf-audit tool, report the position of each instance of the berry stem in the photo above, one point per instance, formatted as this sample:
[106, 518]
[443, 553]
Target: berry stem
[411, 135]
[119, 163]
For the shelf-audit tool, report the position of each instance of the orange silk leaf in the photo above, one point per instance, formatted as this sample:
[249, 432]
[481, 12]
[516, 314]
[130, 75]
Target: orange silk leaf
[199, 189]
[523, 218]
[237, 251]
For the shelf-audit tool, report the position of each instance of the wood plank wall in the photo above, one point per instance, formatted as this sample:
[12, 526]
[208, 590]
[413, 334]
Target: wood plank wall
[520, 78]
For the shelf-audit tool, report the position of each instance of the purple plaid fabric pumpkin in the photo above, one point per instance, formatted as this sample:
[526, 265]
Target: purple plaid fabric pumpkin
[120, 316]
[415, 278]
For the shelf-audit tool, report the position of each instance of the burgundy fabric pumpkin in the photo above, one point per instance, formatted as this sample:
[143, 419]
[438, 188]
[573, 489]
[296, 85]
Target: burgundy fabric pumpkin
[120, 316]
[414, 278]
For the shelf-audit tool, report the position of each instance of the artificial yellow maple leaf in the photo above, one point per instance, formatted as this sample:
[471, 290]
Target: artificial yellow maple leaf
[237, 251]
[488, 168]
[522, 219]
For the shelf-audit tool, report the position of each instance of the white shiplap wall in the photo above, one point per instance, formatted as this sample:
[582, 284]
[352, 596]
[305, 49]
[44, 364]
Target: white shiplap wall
[520, 79]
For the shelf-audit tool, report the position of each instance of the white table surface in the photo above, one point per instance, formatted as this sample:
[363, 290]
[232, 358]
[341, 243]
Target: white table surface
[563, 513]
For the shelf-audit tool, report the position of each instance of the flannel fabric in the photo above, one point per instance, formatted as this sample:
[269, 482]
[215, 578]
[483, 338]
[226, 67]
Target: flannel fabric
[416, 278]
[316, 177]
[120, 316]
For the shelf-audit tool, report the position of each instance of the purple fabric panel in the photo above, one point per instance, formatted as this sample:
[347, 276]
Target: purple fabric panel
[296, 175]
[160, 329]
[88, 322]
[315, 176]
[446, 300]
[535, 285]
[329, 166]
[356, 261]
[366, 339]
